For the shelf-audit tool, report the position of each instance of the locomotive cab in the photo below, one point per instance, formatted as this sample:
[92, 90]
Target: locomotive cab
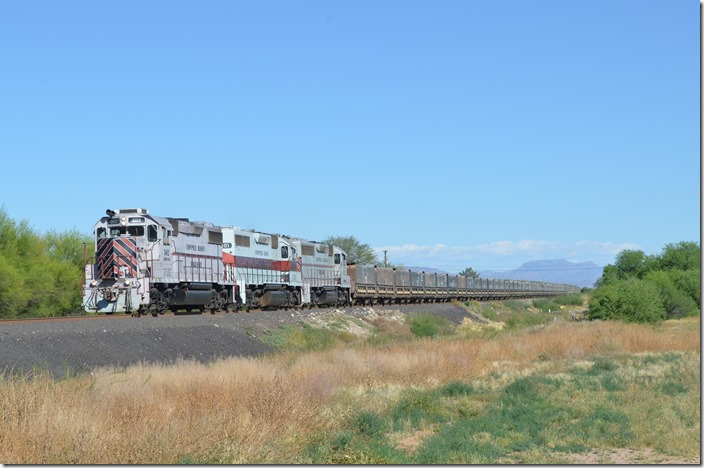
[114, 283]
[149, 263]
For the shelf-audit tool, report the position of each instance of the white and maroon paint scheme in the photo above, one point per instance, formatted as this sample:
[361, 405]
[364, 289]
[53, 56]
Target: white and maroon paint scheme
[146, 263]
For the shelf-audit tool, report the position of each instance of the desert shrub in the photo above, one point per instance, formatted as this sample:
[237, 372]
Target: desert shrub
[389, 331]
[631, 300]
[427, 325]
[570, 299]
[488, 312]
[676, 301]
[546, 304]
[515, 305]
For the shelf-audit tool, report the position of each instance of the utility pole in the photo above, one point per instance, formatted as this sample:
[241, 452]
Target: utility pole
[385, 262]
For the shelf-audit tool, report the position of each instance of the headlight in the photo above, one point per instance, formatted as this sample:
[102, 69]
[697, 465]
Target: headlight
[127, 283]
[93, 284]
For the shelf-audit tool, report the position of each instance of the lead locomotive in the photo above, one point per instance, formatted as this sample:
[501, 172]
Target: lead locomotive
[146, 263]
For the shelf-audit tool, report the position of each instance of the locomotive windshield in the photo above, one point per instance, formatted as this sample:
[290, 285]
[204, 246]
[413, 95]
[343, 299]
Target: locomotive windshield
[136, 231]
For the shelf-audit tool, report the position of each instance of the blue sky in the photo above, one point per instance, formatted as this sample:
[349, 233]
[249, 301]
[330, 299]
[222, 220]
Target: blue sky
[449, 133]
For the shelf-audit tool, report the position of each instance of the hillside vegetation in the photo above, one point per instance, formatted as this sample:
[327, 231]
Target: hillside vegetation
[384, 389]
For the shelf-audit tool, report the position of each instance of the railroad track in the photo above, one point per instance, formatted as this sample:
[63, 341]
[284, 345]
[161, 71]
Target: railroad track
[126, 315]
[67, 318]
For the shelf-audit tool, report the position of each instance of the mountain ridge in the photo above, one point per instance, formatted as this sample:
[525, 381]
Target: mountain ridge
[582, 274]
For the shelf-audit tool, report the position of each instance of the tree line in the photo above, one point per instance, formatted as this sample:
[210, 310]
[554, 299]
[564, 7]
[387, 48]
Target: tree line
[650, 288]
[40, 275]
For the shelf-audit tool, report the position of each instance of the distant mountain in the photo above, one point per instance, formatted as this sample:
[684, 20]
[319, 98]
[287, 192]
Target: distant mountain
[552, 271]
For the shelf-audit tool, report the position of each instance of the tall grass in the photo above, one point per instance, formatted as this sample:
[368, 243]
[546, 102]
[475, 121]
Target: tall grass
[273, 409]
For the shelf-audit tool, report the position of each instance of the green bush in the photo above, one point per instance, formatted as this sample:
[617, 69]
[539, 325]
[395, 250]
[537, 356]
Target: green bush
[546, 304]
[650, 288]
[570, 299]
[689, 282]
[39, 275]
[489, 313]
[427, 325]
[676, 301]
[631, 300]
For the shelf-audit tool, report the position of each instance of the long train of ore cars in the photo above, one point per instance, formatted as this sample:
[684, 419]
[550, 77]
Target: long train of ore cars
[149, 264]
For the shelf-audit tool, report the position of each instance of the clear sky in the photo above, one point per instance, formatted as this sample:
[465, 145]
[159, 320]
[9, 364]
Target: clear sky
[449, 133]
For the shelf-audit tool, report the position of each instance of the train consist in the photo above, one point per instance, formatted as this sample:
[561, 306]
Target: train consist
[149, 264]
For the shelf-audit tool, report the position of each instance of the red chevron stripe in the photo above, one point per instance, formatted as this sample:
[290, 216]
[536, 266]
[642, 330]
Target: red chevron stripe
[116, 252]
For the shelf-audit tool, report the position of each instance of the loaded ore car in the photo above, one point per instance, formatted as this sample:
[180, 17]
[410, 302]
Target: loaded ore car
[373, 285]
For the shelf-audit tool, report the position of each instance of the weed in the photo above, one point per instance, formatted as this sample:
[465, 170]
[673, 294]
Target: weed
[672, 388]
[546, 305]
[456, 388]
[189, 460]
[516, 305]
[415, 407]
[604, 423]
[601, 364]
[611, 383]
[489, 313]
[369, 424]
[304, 338]
[427, 325]
[571, 299]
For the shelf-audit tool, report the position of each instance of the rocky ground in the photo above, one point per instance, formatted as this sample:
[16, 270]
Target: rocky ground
[66, 347]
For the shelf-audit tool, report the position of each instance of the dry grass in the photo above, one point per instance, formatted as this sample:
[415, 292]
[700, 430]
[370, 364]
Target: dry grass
[265, 410]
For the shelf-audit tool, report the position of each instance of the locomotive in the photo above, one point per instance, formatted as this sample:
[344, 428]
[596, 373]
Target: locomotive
[149, 264]
[273, 270]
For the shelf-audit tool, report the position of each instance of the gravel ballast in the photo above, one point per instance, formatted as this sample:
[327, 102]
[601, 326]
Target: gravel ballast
[67, 347]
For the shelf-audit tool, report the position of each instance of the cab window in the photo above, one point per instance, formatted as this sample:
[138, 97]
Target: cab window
[284, 251]
[337, 259]
[136, 231]
[152, 233]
